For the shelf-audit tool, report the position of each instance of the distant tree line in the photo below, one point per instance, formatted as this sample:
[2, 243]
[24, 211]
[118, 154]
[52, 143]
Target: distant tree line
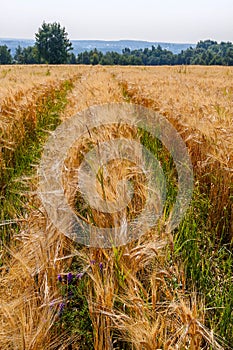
[52, 46]
[207, 52]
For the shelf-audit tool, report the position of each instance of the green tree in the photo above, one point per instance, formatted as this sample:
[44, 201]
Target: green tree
[27, 55]
[83, 58]
[53, 44]
[206, 44]
[229, 56]
[5, 55]
[72, 59]
[18, 57]
[95, 56]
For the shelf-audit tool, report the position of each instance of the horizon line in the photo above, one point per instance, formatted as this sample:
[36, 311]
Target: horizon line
[116, 40]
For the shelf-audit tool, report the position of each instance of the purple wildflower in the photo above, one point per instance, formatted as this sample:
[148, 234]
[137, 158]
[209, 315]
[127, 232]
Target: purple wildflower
[79, 275]
[101, 265]
[69, 277]
[61, 308]
[59, 277]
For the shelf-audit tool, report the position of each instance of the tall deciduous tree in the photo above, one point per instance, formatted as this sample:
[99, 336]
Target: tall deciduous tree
[53, 44]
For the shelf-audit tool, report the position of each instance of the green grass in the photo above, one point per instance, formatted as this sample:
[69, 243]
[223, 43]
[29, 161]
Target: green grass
[156, 148]
[74, 319]
[21, 163]
[208, 263]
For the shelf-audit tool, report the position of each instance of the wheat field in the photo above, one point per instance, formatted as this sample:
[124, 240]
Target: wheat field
[162, 291]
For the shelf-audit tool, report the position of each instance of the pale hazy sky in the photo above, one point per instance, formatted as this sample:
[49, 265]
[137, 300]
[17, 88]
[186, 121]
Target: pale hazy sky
[152, 20]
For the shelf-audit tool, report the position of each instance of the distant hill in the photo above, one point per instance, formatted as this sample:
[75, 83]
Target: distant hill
[102, 45]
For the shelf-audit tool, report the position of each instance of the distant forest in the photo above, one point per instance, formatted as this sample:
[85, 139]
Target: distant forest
[52, 46]
[206, 53]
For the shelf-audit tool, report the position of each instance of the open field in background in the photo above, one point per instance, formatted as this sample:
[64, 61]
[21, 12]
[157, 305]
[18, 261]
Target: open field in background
[160, 292]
